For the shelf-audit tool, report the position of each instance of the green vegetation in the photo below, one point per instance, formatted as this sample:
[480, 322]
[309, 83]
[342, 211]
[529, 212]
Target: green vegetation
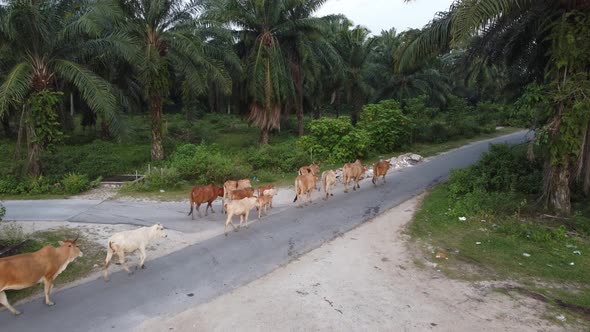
[486, 221]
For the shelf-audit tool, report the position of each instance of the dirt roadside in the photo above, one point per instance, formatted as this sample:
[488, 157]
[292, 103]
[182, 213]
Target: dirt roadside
[364, 281]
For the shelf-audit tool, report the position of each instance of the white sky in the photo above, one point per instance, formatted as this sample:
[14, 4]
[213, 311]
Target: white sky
[380, 15]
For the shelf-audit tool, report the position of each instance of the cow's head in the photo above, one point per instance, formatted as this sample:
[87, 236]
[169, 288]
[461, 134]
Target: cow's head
[71, 249]
[158, 231]
[219, 191]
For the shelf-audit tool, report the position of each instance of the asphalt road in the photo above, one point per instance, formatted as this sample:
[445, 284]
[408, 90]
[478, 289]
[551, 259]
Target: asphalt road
[203, 271]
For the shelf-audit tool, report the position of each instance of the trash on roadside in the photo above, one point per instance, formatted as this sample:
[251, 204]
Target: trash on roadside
[162, 190]
[577, 252]
[478, 243]
[462, 218]
[572, 264]
[560, 317]
[441, 255]
[525, 254]
[570, 246]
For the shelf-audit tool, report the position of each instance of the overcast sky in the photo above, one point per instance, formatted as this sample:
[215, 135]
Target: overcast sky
[380, 15]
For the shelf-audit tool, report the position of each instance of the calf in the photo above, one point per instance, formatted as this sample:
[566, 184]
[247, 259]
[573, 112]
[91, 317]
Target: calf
[328, 182]
[353, 172]
[263, 202]
[313, 169]
[380, 168]
[240, 208]
[304, 184]
[202, 194]
[267, 190]
[230, 185]
[44, 265]
[130, 241]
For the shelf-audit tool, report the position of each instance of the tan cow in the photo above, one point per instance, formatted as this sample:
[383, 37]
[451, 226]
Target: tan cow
[230, 185]
[313, 169]
[44, 265]
[380, 168]
[240, 208]
[304, 184]
[127, 242]
[204, 194]
[328, 182]
[241, 193]
[353, 172]
[263, 202]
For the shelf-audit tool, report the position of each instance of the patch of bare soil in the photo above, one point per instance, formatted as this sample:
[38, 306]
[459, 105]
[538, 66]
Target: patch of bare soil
[366, 280]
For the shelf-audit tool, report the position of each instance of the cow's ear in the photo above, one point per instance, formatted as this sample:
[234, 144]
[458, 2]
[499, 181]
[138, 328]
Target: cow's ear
[61, 243]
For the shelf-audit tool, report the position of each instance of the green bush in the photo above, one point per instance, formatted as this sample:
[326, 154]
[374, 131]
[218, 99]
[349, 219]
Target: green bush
[278, 158]
[11, 233]
[386, 125]
[502, 169]
[75, 183]
[2, 211]
[335, 140]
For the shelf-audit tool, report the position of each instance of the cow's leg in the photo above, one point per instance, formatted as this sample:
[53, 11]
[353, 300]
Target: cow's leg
[384, 181]
[211, 206]
[121, 255]
[107, 262]
[142, 257]
[230, 222]
[246, 218]
[345, 185]
[48, 283]
[199, 209]
[4, 302]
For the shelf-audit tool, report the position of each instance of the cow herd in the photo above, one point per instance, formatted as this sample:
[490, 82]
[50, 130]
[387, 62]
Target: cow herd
[26, 270]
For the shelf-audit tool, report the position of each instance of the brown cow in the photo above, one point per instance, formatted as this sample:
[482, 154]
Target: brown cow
[304, 184]
[353, 171]
[240, 208]
[380, 168]
[230, 185]
[204, 194]
[328, 182]
[44, 265]
[262, 189]
[241, 193]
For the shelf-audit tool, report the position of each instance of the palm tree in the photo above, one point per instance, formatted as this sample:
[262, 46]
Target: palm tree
[538, 41]
[277, 38]
[167, 39]
[355, 47]
[48, 42]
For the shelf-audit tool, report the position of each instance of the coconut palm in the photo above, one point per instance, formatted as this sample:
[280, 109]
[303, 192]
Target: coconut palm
[538, 41]
[48, 41]
[167, 39]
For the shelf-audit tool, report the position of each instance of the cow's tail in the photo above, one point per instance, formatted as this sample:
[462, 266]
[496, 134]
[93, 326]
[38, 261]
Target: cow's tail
[325, 182]
[111, 246]
[190, 198]
[296, 191]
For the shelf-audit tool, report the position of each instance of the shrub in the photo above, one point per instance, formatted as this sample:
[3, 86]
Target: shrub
[334, 140]
[75, 183]
[387, 127]
[11, 233]
[277, 158]
[2, 211]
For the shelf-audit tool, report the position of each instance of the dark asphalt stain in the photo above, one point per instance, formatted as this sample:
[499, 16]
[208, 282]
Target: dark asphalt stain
[290, 251]
[371, 211]
[190, 294]
[385, 259]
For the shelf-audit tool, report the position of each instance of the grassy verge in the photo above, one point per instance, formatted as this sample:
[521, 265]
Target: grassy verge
[82, 266]
[546, 256]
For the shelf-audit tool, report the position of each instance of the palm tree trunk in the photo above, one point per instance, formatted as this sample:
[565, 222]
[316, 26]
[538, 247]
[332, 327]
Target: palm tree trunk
[33, 165]
[298, 80]
[156, 112]
[557, 188]
[6, 126]
[263, 136]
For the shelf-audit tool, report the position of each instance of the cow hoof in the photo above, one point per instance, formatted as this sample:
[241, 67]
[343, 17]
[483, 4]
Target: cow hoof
[51, 304]
[143, 267]
[225, 234]
[17, 313]
[331, 194]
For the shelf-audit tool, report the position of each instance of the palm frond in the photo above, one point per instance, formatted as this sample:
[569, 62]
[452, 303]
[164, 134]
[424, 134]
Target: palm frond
[15, 87]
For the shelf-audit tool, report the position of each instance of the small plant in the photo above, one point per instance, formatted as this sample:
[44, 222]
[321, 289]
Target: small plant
[11, 233]
[2, 211]
[75, 183]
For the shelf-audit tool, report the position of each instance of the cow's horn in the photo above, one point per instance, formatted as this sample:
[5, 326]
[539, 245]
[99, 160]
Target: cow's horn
[76, 238]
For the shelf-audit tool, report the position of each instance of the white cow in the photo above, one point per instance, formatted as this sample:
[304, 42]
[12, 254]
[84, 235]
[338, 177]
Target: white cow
[130, 241]
[240, 208]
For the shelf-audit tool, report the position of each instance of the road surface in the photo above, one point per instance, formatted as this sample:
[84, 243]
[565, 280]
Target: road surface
[201, 272]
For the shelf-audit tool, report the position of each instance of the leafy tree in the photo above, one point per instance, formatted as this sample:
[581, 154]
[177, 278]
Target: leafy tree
[165, 39]
[48, 41]
[541, 41]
